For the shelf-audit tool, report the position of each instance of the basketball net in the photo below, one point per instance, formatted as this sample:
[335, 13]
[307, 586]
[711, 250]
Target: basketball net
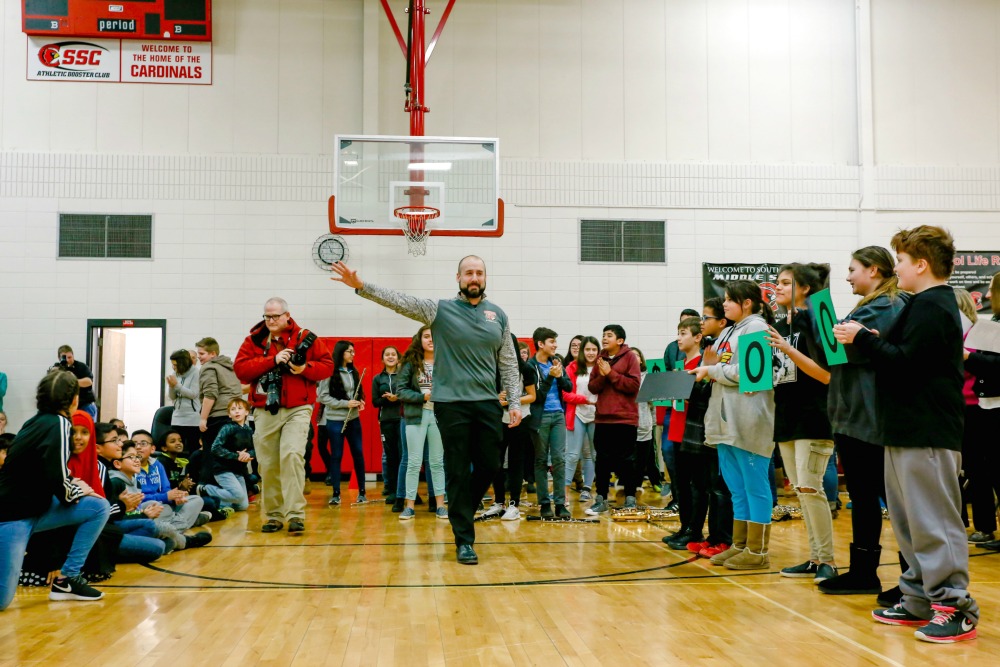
[415, 228]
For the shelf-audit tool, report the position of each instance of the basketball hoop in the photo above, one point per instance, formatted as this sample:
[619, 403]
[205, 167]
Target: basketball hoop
[415, 227]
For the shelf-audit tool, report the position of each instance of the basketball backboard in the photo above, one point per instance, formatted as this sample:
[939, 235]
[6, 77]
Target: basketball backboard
[377, 176]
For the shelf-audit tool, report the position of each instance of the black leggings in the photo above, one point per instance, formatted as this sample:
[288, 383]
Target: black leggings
[981, 463]
[514, 443]
[864, 473]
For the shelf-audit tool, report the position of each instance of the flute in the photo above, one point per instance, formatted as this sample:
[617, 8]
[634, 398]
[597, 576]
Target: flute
[354, 397]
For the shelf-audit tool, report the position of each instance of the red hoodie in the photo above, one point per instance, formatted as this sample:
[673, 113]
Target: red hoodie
[255, 359]
[617, 390]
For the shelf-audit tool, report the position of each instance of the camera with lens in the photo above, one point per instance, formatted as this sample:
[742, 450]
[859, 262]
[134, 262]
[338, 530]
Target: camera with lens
[270, 382]
[63, 361]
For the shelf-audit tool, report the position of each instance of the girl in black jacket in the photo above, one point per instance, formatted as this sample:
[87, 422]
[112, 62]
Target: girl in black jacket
[37, 493]
[385, 397]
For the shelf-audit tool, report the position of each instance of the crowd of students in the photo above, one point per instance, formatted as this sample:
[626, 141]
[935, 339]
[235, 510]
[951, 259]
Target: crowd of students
[901, 413]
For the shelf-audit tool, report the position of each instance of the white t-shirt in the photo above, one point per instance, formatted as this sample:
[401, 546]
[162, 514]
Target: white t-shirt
[426, 382]
[585, 412]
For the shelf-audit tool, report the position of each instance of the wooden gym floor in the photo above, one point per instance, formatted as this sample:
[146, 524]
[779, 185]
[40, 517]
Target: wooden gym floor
[362, 588]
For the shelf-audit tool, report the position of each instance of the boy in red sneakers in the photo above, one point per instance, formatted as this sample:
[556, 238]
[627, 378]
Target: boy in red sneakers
[918, 364]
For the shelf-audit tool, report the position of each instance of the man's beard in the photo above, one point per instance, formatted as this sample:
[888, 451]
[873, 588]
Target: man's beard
[467, 291]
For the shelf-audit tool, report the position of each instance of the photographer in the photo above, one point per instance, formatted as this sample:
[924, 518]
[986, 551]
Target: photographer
[283, 362]
[83, 376]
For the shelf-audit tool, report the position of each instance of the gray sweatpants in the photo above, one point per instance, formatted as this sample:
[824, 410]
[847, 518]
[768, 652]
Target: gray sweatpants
[924, 499]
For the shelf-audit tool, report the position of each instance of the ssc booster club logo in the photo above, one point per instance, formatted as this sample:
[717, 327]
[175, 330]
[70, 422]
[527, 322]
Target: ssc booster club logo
[72, 59]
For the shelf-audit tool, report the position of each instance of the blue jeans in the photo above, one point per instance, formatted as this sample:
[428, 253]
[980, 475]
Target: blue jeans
[353, 436]
[830, 481]
[403, 457]
[139, 544]
[427, 436]
[231, 491]
[746, 476]
[89, 514]
[551, 441]
[580, 443]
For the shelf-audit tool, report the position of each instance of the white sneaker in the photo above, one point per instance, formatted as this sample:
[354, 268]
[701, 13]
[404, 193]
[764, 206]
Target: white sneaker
[512, 513]
[496, 509]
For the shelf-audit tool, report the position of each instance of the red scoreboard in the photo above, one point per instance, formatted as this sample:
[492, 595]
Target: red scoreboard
[187, 20]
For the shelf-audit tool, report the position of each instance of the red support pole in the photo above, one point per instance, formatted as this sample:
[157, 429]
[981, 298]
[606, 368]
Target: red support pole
[416, 101]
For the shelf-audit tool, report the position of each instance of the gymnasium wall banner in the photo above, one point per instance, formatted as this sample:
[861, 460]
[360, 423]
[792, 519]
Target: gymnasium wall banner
[119, 60]
[974, 271]
[715, 276]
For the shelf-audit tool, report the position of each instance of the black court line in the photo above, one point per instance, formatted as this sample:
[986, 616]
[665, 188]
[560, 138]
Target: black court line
[249, 584]
[416, 544]
[288, 585]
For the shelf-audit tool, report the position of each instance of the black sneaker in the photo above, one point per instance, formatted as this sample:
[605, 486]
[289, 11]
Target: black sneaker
[806, 570]
[889, 598]
[547, 511]
[897, 615]
[563, 513]
[390, 499]
[397, 505]
[296, 526]
[75, 588]
[672, 506]
[198, 539]
[947, 627]
[980, 537]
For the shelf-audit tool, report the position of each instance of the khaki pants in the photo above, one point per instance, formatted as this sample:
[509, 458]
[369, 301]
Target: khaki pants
[280, 445]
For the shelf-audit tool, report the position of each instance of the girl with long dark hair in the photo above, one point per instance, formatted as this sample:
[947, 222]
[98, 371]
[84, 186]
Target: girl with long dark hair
[581, 408]
[343, 400]
[801, 426]
[741, 426]
[416, 379]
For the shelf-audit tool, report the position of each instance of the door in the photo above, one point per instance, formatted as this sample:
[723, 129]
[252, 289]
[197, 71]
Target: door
[128, 359]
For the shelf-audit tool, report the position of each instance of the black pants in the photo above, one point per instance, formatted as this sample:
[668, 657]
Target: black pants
[390, 445]
[614, 445]
[720, 506]
[645, 456]
[864, 473]
[471, 432]
[513, 444]
[693, 488]
[981, 463]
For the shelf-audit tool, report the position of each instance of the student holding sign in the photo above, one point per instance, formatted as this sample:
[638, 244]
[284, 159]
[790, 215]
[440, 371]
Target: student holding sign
[741, 425]
[853, 412]
[801, 426]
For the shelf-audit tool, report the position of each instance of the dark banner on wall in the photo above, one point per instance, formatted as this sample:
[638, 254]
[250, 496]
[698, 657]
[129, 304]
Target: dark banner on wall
[974, 271]
[715, 277]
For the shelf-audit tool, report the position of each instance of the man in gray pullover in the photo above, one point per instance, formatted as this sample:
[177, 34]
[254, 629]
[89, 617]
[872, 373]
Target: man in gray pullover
[472, 342]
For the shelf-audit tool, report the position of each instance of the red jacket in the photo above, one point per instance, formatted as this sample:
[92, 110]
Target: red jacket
[571, 398]
[617, 390]
[256, 358]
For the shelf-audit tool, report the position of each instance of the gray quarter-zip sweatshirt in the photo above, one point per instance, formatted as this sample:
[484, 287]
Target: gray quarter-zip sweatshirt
[471, 342]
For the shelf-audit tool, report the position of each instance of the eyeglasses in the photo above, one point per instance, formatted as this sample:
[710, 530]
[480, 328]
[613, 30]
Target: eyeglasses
[709, 317]
[273, 318]
[110, 442]
[134, 457]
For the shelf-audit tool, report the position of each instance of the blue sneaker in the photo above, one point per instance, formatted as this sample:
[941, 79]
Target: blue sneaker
[407, 514]
[442, 513]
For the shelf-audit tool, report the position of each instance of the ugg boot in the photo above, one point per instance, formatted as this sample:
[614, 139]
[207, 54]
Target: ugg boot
[739, 543]
[754, 556]
[893, 595]
[861, 579]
